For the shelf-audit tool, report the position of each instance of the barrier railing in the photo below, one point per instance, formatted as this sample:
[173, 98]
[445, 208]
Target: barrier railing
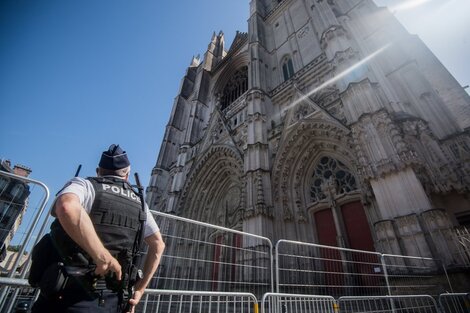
[463, 238]
[6, 292]
[455, 302]
[198, 301]
[385, 304]
[284, 303]
[157, 300]
[206, 257]
[305, 268]
[18, 291]
[408, 275]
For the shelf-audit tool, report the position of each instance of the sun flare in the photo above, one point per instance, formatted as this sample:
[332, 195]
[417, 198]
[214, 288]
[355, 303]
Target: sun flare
[408, 5]
[341, 75]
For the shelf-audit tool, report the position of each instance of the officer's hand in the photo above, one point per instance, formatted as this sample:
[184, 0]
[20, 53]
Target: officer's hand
[107, 263]
[134, 301]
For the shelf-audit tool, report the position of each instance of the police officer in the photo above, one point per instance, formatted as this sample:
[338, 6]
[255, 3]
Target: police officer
[97, 221]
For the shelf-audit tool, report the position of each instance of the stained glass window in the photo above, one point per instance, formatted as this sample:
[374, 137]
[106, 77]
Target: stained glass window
[236, 86]
[326, 168]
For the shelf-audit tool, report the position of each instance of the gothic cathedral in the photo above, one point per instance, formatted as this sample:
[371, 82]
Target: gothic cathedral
[327, 123]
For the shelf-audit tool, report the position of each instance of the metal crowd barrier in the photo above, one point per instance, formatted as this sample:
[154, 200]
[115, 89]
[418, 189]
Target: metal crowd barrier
[297, 303]
[463, 237]
[18, 291]
[455, 302]
[306, 268]
[386, 304]
[8, 296]
[162, 301]
[205, 257]
[408, 275]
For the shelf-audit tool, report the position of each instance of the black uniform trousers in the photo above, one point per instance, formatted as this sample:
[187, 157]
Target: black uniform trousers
[73, 302]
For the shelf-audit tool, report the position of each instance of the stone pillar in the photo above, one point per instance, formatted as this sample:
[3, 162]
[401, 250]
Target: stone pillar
[178, 178]
[442, 235]
[157, 187]
[258, 214]
[335, 41]
[412, 236]
[399, 194]
[387, 164]
[387, 240]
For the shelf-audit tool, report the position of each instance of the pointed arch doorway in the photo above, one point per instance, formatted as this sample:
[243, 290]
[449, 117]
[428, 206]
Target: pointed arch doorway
[340, 220]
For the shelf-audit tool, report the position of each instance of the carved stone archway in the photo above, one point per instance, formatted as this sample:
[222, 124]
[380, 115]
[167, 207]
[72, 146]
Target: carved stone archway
[214, 191]
[293, 165]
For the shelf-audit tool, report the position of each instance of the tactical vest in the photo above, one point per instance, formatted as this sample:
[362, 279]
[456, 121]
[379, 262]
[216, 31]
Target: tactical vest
[115, 215]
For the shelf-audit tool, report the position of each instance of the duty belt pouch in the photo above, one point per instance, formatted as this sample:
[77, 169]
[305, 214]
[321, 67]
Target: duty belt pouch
[43, 255]
[53, 281]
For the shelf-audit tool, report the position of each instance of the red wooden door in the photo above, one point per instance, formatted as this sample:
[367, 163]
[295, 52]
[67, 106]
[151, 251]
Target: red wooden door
[360, 238]
[326, 232]
[326, 229]
[357, 226]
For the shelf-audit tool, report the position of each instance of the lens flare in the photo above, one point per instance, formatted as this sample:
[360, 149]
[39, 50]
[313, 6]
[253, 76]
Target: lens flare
[340, 75]
[407, 5]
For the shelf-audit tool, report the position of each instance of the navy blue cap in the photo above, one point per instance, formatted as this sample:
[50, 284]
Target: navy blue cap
[114, 158]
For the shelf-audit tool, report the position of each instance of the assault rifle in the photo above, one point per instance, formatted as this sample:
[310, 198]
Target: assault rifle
[78, 170]
[134, 272]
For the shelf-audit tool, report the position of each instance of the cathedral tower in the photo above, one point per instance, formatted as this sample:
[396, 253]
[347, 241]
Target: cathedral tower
[326, 122]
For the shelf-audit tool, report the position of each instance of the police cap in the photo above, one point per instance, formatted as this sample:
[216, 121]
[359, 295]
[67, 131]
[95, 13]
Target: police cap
[114, 158]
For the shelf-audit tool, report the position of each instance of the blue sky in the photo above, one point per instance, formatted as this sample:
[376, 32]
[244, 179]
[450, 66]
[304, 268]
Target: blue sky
[76, 76]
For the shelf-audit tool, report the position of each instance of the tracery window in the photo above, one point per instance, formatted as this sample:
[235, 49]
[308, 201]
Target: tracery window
[236, 86]
[329, 168]
[287, 68]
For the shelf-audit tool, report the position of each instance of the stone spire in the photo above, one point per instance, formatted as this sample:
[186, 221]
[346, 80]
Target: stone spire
[215, 51]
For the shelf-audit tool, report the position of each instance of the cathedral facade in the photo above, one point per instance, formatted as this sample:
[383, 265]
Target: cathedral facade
[327, 122]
